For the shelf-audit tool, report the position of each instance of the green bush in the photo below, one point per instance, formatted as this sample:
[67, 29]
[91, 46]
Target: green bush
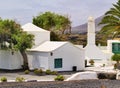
[59, 78]
[35, 69]
[26, 71]
[3, 79]
[20, 79]
[54, 73]
[48, 72]
[38, 72]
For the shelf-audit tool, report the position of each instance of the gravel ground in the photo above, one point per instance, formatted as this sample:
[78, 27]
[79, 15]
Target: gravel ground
[65, 84]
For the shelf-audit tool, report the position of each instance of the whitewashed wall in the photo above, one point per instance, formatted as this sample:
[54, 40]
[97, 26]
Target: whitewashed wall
[40, 37]
[9, 61]
[93, 52]
[72, 56]
[38, 60]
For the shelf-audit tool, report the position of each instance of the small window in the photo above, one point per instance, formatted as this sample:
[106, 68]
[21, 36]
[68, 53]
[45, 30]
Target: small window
[58, 63]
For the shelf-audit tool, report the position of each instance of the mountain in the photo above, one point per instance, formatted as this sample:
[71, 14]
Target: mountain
[83, 28]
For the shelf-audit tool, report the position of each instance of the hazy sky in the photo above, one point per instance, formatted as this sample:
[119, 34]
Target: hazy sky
[78, 10]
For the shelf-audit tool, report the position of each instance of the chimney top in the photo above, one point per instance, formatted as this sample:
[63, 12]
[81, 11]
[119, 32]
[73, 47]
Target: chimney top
[90, 18]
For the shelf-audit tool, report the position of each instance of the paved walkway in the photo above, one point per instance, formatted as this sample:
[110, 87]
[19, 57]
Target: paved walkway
[12, 76]
[101, 69]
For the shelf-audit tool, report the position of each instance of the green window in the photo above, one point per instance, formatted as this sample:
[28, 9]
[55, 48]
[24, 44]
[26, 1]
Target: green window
[58, 63]
[116, 48]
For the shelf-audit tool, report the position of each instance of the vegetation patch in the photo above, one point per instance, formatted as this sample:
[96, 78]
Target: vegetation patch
[59, 78]
[111, 76]
[26, 71]
[38, 72]
[20, 79]
[3, 79]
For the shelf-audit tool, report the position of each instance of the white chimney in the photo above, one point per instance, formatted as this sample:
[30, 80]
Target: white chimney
[91, 31]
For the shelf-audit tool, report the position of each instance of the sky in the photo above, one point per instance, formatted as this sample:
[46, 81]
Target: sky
[78, 11]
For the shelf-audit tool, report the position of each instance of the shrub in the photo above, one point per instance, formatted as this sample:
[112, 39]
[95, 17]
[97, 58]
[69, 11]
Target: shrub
[3, 79]
[111, 76]
[38, 71]
[35, 69]
[48, 72]
[54, 73]
[102, 76]
[59, 78]
[103, 65]
[20, 79]
[115, 66]
[26, 71]
[107, 76]
[91, 62]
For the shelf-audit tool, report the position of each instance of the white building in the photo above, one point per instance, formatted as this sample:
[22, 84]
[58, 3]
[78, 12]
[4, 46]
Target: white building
[41, 35]
[58, 56]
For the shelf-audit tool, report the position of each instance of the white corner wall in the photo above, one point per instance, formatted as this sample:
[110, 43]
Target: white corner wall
[40, 37]
[9, 61]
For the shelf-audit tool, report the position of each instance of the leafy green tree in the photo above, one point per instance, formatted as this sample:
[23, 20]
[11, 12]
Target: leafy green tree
[12, 33]
[116, 57]
[52, 22]
[111, 20]
[54, 36]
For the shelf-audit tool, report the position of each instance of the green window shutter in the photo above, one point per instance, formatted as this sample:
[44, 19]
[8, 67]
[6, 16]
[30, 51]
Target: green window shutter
[58, 63]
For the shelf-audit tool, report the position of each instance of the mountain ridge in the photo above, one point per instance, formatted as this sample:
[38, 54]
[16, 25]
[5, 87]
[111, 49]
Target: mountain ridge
[83, 28]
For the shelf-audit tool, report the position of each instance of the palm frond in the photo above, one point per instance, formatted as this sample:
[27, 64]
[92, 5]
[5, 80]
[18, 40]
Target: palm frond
[110, 20]
[113, 12]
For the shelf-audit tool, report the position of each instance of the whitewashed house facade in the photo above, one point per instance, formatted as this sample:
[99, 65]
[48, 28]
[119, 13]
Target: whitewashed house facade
[45, 54]
[58, 56]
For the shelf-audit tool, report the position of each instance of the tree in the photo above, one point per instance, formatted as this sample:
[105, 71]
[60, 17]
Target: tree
[111, 20]
[52, 22]
[54, 36]
[116, 57]
[23, 42]
[12, 33]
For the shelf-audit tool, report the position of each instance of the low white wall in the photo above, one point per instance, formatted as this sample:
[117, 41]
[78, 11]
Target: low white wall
[9, 61]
